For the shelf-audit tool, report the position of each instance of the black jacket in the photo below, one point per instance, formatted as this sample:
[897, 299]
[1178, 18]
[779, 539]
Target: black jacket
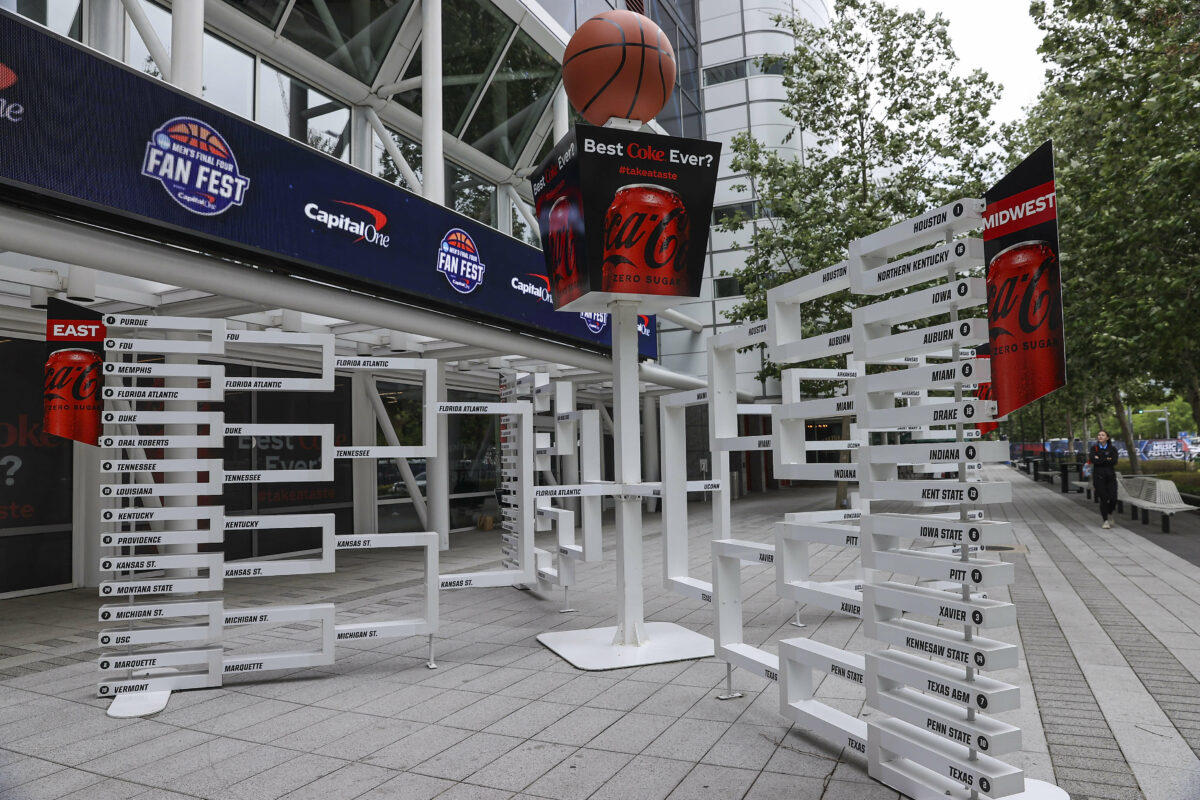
[1103, 458]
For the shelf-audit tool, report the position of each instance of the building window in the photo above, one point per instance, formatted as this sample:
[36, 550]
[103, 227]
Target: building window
[726, 287]
[64, 17]
[228, 77]
[728, 213]
[746, 68]
[294, 108]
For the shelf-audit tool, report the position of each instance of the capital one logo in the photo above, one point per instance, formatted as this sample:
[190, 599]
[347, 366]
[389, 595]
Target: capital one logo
[9, 111]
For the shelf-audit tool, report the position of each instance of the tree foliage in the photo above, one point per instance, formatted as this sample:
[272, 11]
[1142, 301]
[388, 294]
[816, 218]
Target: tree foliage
[1122, 103]
[886, 128]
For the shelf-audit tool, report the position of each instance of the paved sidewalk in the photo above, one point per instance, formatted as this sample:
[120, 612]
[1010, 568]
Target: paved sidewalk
[1107, 620]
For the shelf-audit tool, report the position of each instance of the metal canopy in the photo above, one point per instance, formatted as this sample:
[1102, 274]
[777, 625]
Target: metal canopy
[45, 255]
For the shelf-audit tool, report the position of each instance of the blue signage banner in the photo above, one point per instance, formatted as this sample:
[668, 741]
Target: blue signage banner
[89, 138]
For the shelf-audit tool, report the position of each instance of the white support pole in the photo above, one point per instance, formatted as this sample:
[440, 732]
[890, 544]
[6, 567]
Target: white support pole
[433, 160]
[437, 473]
[364, 471]
[106, 27]
[627, 457]
[145, 30]
[504, 216]
[562, 116]
[564, 400]
[650, 462]
[187, 45]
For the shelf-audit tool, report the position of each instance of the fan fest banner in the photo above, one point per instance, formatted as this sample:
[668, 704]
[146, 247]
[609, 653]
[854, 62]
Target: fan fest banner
[1024, 286]
[74, 351]
[625, 215]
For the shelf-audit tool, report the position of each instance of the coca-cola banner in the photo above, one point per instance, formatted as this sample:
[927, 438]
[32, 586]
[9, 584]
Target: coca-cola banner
[625, 215]
[74, 351]
[1024, 286]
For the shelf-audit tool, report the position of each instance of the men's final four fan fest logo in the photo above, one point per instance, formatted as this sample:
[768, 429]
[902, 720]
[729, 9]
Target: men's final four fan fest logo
[196, 166]
[594, 320]
[458, 259]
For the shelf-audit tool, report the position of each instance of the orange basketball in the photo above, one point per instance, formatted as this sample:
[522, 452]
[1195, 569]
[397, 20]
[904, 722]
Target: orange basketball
[618, 64]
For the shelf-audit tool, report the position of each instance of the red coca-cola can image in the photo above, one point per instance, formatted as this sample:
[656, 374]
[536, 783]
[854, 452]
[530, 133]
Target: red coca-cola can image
[71, 395]
[1025, 329]
[566, 280]
[646, 232]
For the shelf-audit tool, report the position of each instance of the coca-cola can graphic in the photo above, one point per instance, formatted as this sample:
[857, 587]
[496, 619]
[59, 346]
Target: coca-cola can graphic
[71, 395]
[1025, 324]
[566, 280]
[646, 231]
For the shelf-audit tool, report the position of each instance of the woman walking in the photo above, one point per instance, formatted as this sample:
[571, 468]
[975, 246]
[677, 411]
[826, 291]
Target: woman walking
[1103, 458]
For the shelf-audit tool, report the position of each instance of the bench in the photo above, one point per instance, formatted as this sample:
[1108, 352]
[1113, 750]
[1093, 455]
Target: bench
[1154, 494]
[1083, 486]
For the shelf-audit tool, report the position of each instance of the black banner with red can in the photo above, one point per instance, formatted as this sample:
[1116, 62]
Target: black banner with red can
[625, 215]
[74, 353]
[1024, 284]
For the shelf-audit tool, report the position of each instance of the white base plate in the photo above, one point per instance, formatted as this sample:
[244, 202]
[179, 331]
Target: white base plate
[138, 704]
[593, 649]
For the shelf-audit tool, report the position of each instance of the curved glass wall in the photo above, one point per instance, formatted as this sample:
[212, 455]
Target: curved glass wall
[353, 35]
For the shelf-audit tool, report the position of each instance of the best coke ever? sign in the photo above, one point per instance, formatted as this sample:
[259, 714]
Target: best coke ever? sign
[625, 215]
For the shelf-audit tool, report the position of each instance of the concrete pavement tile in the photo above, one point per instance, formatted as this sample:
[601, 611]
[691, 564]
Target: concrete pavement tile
[1171, 784]
[529, 720]
[537, 684]
[127, 762]
[580, 775]
[625, 695]
[440, 707]
[300, 719]
[283, 778]
[106, 789]
[165, 772]
[405, 697]
[857, 790]
[238, 718]
[364, 741]
[776, 785]
[163, 794]
[467, 791]
[408, 786]
[419, 746]
[496, 679]
[521, 766]
[346, 783]
[488, 711]
[854, 771]
[798, 756]
[324, 731]
[466, 757]
[50, 786]
[580, 690]
[130, 736]
[646, 778]
[580, 726]
[631, 733]
[709, 782]
[701, 673]
[746, 746]
[687, 739]
[671, 700]
[214, 776]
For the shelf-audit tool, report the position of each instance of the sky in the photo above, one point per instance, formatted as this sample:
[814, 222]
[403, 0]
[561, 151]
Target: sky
[999, 37]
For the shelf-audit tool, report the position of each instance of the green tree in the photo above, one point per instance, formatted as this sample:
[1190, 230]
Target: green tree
[887, 128]
[1121, 105]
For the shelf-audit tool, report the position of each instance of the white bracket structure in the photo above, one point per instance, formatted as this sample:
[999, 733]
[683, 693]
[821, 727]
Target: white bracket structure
[427, 367]
[321, 613]
[147, 675]
[250, 568]
[728, 555]
[934, 744]
[520, 519]
[674, 492]
[426, 624]
[324, 341]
